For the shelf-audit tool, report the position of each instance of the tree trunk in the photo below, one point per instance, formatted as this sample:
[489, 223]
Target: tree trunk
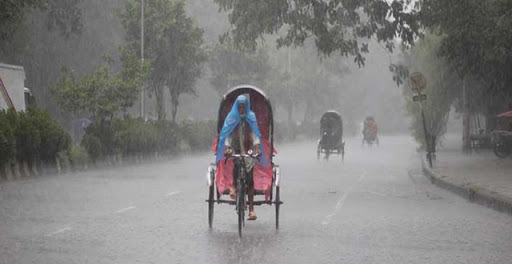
[466, 125]
[175, 102]
[289, 109]
[160, 102]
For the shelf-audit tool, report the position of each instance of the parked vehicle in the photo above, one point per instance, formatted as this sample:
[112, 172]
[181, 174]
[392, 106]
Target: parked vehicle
[502, 137]
[12, 88]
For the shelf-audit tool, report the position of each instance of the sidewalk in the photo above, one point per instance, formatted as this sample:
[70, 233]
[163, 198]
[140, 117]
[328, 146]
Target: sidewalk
[480, 177]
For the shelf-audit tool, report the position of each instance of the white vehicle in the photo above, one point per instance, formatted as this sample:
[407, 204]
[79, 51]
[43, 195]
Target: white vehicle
[13, 93]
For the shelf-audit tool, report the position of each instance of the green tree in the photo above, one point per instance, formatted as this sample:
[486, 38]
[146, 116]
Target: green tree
[61, 14]
[41, 46]
[173, 47]
[477, 37]
[476, 43]
[443, 88]
[103, 93]
[336, 26]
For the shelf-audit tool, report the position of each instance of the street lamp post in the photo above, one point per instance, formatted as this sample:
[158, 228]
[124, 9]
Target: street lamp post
[417, 83]
[142, 59]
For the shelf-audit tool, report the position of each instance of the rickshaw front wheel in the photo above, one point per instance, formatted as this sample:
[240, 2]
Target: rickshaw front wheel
[210, 205]
[277, 204]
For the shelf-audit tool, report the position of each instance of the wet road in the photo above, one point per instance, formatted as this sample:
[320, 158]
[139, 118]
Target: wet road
[374, 208]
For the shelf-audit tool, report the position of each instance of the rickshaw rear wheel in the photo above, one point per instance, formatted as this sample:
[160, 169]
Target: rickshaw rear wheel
[318, 151]
[210, 205]
[277, 204]
[343, 154]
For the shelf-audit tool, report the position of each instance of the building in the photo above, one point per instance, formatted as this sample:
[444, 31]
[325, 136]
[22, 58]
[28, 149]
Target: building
[12, 87]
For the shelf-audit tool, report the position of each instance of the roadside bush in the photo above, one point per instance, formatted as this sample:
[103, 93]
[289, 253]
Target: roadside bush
[32, 137]
[134, 136]
[168, 136]
[92, 145]
[7, 139]
[78, 157]
[199, 135]
[128, 137]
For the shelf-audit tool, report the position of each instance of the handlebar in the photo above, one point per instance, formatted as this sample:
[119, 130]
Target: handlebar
[255, 156]
[241, 156]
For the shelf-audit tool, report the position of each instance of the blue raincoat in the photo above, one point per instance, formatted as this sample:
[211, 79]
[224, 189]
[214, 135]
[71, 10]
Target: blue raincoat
[232, 120]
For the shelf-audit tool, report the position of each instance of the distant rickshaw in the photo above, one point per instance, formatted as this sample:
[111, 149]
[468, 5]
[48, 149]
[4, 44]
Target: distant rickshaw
[331, 135]
[502, 137]
[370, 136]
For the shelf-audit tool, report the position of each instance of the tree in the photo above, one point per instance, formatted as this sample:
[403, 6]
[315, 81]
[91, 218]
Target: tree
[101, 94]
[336, 25]
[443, 88]
[62, 14]
[173, 47]
[302, 78]
[41, 45]
[476, 41]
[231, 66]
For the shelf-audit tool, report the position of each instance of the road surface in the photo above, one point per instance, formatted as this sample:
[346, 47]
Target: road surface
[374, 208]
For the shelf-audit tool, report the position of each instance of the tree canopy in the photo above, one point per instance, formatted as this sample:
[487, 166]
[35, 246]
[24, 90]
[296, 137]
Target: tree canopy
[342, 26]
[103, 93]
[62, 14]
[173, 45]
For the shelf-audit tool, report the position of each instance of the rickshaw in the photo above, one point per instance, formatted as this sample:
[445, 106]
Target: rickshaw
[266, 178]
[502, 137]
[370, 132]
[331, 135]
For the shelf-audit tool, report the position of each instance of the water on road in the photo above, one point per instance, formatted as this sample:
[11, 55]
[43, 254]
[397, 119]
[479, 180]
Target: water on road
[376, 207]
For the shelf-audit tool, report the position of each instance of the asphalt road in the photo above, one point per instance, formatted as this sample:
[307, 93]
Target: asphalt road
[374, 208]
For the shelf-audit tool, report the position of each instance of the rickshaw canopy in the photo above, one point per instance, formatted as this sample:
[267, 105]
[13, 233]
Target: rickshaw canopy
[505, 115]
[261, 107]
[331, 122]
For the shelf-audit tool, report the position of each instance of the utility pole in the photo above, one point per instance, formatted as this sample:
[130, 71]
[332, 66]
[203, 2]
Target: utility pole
[417, 83]
[142, 95]
[466, 120]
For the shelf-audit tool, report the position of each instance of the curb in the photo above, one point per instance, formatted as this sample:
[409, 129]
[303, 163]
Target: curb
[484, 197]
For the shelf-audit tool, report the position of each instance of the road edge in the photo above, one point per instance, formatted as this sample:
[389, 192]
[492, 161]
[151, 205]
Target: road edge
[480, 196]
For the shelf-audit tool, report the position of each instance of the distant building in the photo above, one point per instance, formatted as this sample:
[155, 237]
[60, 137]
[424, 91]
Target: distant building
[12, 87]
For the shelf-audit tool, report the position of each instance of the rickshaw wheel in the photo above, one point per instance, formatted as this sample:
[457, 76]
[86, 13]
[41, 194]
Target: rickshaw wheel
[210, 205]
[343, 154]
[277, 204]
[318, 151]
[241, 208]
[501, 150]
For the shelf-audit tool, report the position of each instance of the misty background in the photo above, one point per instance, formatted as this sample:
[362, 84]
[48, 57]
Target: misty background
[355, 92]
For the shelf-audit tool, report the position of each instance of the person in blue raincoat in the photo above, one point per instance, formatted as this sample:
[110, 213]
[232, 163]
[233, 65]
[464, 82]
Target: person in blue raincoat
[232, 140]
